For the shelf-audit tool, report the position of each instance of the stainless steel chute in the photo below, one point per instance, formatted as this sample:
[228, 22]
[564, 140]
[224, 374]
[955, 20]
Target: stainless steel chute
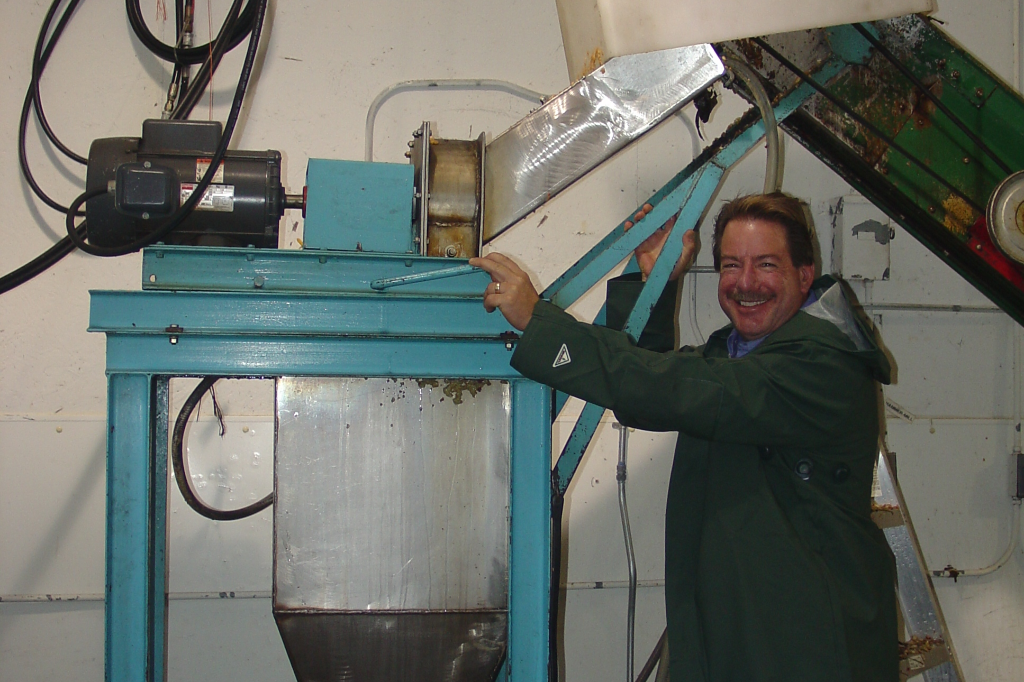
[585, 124]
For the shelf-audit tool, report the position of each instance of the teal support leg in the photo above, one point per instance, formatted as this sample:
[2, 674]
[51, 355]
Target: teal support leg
[530, 564]
[136, 603]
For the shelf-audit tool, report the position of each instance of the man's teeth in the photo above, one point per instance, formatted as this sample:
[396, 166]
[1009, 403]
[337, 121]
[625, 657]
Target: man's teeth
[751, 304]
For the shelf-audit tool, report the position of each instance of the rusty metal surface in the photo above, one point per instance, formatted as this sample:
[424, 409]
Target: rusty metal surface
[454, 198]
[924, 170]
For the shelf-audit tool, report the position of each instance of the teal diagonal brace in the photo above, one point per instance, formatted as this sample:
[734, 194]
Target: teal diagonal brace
[698, 195]
[613, 249]
[579, 440]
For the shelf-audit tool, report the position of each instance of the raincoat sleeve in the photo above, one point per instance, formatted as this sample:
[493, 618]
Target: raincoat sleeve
[797, 394]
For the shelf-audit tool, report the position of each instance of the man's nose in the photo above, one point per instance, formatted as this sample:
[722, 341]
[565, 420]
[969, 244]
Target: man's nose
[748, 276]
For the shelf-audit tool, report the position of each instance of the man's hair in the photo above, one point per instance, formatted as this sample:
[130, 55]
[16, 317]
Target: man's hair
[778, 208]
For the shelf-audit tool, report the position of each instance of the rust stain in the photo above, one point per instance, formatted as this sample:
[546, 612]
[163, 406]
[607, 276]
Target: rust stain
[595, 58]
[1020, 218]
[751, 52]
[454, 388]
[959, 215]
[924, 108]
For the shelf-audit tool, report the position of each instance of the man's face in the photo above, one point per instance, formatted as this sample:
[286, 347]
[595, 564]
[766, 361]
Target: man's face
[759, 288]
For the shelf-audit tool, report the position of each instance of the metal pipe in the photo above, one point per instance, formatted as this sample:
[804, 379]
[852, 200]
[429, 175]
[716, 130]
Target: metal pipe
[620, 476]
[609, 584]
[440, 84]
[96, 597]
[954, 573]
[772, 173]
[929, 308]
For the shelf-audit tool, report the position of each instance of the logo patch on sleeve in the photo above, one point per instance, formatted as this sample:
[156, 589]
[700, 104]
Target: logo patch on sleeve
[563, 357]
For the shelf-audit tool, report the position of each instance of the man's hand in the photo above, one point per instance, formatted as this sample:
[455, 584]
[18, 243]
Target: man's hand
[510, 290]
[649, 250]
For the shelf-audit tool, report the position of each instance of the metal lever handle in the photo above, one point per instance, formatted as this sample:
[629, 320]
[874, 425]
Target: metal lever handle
[382, 284]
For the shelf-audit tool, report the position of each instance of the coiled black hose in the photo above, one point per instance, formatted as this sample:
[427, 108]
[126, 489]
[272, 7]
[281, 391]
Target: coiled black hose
[178, 464]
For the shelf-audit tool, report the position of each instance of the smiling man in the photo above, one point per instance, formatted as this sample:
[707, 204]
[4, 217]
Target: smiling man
[774, 570]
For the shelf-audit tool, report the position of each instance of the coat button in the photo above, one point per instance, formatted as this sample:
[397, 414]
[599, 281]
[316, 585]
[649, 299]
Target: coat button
[765, 452]
[804, 468]
[841, 473]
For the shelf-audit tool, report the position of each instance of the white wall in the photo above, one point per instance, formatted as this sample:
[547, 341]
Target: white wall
[322, 64]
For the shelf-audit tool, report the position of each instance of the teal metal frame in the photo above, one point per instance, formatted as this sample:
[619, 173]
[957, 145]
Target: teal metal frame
[154, 335]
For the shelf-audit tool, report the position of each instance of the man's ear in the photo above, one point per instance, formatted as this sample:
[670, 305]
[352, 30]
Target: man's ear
[806, 274]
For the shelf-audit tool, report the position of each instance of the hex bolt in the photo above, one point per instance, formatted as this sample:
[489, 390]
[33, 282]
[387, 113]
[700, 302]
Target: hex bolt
[979, 92]
[451, 251]
[955, 74]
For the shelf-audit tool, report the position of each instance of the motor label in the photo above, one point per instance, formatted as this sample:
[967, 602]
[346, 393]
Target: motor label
[217, 197]
[203, 164]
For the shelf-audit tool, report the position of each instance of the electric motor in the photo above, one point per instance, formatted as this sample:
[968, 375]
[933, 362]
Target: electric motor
[153, 175]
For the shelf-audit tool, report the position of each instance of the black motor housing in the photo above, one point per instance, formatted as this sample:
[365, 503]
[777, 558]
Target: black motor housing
[242, 207]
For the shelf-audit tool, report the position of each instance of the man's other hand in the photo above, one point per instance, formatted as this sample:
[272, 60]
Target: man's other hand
[510, 290]
[649, 250]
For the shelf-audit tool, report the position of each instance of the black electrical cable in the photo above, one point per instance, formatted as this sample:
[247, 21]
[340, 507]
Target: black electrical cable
[185, 209]
[78, 235]
[885, 52]
[41, 263]
[875, 130]
[40, 57]
[195, 90]
[248, 18]
[37, 62]
[178, 464]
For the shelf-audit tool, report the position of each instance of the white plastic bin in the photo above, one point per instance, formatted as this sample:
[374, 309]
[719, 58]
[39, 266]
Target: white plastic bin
[594, 31]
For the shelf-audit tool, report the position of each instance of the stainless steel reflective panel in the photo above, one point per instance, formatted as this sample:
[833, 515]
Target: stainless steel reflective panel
[392, 528]
[580, 127]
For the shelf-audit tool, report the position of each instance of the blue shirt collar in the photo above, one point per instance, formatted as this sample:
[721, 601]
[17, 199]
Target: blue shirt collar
[738, 346]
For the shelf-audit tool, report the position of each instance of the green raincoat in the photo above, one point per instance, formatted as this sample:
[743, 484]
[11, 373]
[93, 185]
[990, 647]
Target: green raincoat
[774, 570]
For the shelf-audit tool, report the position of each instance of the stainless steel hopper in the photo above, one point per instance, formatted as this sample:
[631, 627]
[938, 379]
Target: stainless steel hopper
[392, 528]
